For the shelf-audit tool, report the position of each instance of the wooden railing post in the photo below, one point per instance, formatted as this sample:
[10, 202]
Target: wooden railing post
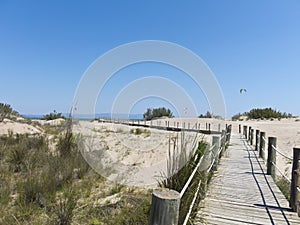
[216, 143]
[295, 195]
[245, 132]
[228, 133]
[240, 128]
[165, 207]
[271, 157]
[262, 145]
[257, 140]
[249, 133]
[251, 136]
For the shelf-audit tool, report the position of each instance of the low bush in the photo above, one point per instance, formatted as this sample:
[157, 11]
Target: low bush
[62, 209]
[53, 116]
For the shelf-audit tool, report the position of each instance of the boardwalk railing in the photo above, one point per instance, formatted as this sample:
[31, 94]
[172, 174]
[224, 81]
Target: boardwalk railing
[272, 150]
[166, 202]
[167, 125]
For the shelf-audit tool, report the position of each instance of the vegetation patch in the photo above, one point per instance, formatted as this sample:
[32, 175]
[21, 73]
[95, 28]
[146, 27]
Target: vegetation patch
[266, 113]
[157, 113]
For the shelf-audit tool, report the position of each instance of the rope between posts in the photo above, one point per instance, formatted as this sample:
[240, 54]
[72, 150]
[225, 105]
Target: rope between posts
[190, 178]
[215, 156]
[289, 158]
[193, 174]
[192, 205]
[288, 179]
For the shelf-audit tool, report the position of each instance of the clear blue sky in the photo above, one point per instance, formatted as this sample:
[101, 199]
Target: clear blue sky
[45, 47]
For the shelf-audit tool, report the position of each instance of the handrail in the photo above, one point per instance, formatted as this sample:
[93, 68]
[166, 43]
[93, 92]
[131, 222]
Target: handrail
[280, 153]
[212, 164]
[288, 179]
[193, 173]
[190, 178]
[192, 205]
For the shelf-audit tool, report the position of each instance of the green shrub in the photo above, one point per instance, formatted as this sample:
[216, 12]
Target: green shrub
[133, 215]
[157, 113]
[53, 116]
[62, 209]
[132, 209]
[31, 191]
[25, 151]
[4, 190]
[6, 111]
[267, 113]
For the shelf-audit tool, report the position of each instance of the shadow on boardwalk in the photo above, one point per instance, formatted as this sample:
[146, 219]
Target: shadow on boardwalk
[241, 192]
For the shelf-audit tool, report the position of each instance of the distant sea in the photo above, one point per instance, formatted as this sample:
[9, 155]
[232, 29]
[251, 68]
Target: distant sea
[97, 116]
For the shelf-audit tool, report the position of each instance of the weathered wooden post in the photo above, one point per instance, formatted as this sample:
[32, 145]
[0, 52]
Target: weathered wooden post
[249, 133]
[219, 127]
[240, 128]
[206, 126]
[216, 144]
[257, 140]
[228, 134]
[209, 126]
[245, 132]
[165, 207]
[223, 142]
[271, 161]
[252, 137]
[295, 184]
[177, 124]
[262, 145]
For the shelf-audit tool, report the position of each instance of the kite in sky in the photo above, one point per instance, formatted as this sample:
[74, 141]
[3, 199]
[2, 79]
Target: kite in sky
[243, 91]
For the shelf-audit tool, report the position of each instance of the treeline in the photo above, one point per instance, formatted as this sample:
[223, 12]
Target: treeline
[266, 113]
[157, 113]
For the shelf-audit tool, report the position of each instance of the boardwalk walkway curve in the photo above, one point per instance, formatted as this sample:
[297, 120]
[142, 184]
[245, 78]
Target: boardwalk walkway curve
[241, 193]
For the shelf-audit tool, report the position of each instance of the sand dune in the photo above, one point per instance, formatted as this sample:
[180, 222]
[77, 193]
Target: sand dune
[17, 128]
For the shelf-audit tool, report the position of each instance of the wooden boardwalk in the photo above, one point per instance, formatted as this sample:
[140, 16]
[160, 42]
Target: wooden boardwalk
[241, 193]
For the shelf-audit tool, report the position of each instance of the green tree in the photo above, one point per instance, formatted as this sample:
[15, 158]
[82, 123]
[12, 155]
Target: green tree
[207, 115]
[157, 113]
